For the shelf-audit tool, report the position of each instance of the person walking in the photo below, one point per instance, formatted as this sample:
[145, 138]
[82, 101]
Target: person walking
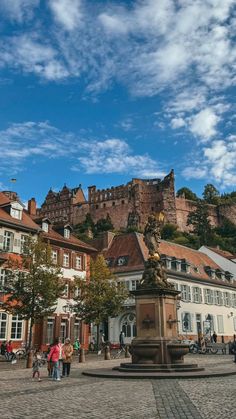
[68, 351]
[37, 364]
[77, 346]
[9, 350]
[122, 340]
[214, 337]
[54, 356]
[233, 348]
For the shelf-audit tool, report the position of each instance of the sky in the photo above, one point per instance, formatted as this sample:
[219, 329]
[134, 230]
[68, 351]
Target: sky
[98, 92]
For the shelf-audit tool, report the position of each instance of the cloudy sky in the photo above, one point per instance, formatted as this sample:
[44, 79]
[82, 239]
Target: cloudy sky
[97, 92]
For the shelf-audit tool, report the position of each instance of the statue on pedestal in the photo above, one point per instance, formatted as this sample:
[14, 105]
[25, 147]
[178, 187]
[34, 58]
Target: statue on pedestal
[154, 275]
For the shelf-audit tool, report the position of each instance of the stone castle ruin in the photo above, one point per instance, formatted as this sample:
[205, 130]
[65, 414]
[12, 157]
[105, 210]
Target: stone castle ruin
[128, 206]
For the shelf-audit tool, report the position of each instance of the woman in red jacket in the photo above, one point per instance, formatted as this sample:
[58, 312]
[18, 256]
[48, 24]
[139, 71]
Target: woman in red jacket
[54, 356]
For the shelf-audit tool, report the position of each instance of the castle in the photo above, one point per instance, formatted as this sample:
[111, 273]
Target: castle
[128, 206]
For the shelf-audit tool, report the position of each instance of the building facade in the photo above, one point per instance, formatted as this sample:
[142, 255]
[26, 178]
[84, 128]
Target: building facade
[68, 252]
[208, 292]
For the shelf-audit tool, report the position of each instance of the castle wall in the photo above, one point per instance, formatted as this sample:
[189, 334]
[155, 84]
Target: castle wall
[227, 211]
[185, 206]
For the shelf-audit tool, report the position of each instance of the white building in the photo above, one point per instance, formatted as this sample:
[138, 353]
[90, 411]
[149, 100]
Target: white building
[208, 292]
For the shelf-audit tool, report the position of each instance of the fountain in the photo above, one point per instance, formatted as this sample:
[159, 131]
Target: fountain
[156, 347]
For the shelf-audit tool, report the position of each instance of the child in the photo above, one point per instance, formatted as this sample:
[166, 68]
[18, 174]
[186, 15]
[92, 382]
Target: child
[37, 364]
[50, 363]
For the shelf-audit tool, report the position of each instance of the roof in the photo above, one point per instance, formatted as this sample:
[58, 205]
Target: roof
[25, 222]
[223, 253]
[133, 247]
[54, 236]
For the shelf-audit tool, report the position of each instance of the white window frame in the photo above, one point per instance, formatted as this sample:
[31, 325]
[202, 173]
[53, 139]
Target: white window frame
[23, 239]
[45, 226]
[220, 323]
[66, 233]
[185, 293]
[187, 328]
[208, 296]
[66, 291]
[3, 325]
[66, 260]
[78, 262]
[54, 256]
[226, 299]
[19, 327]
[8, 240]
[16, 213]
[3, 276]
[50, 331]
[218, 298]
[197, 295]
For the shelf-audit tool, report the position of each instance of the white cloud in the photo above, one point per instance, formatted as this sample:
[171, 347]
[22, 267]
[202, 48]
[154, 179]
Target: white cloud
[28, 140]
[115, 156]
[67, 12]
[204, 123]
[191, 172]
[220, 158]
[177, 123]
[18, 10]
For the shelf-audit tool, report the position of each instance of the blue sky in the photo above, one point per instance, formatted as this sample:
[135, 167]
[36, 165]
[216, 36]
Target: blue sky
[98, 92]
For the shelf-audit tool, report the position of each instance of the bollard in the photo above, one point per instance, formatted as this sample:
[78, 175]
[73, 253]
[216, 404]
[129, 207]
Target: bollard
[107, 353]
[127, 354]
[29, 362]
[82, 355]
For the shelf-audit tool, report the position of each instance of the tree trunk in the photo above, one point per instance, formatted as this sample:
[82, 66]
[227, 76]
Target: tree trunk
[29, 361]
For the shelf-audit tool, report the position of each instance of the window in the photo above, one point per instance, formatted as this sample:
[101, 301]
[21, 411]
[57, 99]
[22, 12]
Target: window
[128, 325]
[218, 298]
[234, 300]
[226, 299]
[67, 233]
[133, 284]
[185, 293]
[3, 276]
[187, 322]
[3, 325]
[220, 324]
[8, 241]
[78, 262]
[54, 257]
[16, 213]
[66, 260]
[66, 290]
[63, 330]
[50, 331]
[76, 329]
[45, 226]
[23, 242]
[197, 295]
[208, 296]
[76, 292]
[16, 327]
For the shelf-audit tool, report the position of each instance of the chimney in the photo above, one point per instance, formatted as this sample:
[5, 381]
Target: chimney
[32, 206]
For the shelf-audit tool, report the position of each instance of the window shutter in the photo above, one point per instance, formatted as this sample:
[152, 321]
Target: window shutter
[205, 296]
[1, 241]
[200, 295]
[188, 293]
[191, 322]
[17, 245]
[182, 322]
[213, 299]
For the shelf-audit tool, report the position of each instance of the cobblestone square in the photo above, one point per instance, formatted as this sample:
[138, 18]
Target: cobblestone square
[90, 398]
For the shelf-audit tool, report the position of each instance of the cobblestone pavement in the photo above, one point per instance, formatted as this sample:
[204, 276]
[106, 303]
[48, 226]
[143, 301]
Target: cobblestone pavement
[90, 398]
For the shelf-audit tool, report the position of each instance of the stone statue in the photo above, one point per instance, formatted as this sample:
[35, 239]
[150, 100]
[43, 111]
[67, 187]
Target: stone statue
[152, 235]
[154, 275]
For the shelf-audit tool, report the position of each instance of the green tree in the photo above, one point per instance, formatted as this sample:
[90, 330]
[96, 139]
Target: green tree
[33, 287]
[82, 229]
[100, 298]
[200, 222]
[169, 231]
[104, 224]
[211, 194]
[188, 194]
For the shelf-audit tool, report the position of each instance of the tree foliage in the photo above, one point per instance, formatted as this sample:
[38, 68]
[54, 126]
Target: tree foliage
[33, 287]
[199, 220]
[187, 193]
[211, 194]
[100, 298]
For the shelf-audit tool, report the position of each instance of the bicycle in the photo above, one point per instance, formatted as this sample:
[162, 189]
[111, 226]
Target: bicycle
[118, 353]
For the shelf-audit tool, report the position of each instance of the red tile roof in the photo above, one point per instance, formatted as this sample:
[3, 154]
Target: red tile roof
[54, 236]
[133, 246]
[26, 220]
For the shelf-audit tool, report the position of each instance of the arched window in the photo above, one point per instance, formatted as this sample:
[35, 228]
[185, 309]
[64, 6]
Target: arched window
[128, 325]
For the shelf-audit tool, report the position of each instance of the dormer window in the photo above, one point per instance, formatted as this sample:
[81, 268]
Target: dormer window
[66, 233]
[45, 226]
[16, 210]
